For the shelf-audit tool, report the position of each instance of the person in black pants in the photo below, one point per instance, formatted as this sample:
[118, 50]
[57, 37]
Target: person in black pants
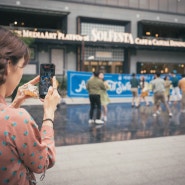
[94, 86]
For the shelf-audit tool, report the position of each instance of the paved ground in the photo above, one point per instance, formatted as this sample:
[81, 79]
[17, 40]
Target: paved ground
[150, 161]
[156, 161]
[124, 123]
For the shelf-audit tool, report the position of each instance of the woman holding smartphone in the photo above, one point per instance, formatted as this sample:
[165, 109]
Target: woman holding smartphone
[24, 149]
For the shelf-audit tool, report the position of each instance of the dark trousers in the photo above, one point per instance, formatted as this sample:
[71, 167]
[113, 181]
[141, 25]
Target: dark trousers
[95, 103]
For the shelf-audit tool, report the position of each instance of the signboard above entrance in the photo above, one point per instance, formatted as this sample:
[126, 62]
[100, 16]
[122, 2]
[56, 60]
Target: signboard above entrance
[100, 36]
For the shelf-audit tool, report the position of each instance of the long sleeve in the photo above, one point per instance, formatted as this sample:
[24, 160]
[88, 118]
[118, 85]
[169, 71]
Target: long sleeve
[36, 148]
[23, 146]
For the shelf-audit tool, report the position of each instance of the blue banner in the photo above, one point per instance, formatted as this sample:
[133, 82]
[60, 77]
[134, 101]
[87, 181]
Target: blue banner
[119, 84]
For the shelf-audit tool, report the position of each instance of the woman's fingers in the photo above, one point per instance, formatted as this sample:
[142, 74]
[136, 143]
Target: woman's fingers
[34, 80]
[55, 83]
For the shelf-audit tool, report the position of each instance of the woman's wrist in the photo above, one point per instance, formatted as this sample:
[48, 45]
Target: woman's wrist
[15, 104]
[48, 122]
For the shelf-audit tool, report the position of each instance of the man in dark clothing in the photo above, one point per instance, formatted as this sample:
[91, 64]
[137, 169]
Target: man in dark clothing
[134, 89]
[94, 87]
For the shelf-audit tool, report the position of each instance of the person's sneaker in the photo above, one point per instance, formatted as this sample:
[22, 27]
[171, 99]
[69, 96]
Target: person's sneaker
[137, 105]
[105, 118]
[154, 114]
[99, 121]
[91, 121]
[158, 112]
[170, 114]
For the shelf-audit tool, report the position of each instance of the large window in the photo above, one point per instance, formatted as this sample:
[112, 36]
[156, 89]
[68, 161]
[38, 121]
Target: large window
[147, 29]
[153, 67]
[33, 20]
[100, 57]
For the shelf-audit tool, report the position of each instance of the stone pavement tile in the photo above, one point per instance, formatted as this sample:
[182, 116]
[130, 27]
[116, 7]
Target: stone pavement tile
[162, 182]
[139, 162]
[165, 173]
[166, 161]
[60, 176]
[94, 181]
[179, 181]
[133, 167]
[74, 164]
[100, 171]
[136, 178]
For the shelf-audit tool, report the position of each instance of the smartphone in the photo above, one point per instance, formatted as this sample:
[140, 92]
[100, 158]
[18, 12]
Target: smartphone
[47, 71]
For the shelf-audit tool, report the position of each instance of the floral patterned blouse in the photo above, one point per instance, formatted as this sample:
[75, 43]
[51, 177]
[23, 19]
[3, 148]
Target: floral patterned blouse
[23, 148]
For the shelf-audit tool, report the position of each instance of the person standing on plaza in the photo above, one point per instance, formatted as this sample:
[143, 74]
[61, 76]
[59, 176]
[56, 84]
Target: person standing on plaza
[167, 84]
[158, 87]
[24, 149]
[104, 97]
[134, 89]
[176, 91]
[144, 91]
[94, 86]
[181, 85]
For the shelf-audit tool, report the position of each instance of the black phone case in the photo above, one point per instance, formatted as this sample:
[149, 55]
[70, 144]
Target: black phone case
[47, 71]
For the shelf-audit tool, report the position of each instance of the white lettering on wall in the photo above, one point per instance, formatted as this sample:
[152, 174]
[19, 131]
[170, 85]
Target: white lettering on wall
[82, 86]
[100, 36]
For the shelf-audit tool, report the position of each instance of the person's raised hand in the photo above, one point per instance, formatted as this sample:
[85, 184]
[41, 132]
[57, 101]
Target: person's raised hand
[21, 96]
[51, 100]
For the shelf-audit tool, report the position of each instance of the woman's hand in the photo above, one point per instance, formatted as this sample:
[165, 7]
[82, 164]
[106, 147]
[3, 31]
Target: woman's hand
[20, 96]
[51, 100]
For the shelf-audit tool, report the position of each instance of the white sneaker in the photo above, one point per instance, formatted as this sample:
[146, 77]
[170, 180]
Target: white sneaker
[170, 114]
[158, 112]
[91, 121]
[99, 121]
[105, 118]
[154, 115]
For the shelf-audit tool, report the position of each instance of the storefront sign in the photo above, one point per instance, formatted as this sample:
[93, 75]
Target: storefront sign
[119, 84]
[100, 36]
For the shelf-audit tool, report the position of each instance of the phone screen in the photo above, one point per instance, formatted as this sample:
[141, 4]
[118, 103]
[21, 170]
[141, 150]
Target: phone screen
[47, 71]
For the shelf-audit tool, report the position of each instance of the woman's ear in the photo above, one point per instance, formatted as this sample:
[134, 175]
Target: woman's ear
[9, 65]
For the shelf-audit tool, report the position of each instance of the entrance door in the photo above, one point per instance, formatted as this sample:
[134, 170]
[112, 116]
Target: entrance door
[57, 58]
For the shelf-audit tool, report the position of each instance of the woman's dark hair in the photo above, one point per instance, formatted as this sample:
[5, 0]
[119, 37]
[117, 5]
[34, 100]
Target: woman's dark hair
[11, 48]
[96, 73]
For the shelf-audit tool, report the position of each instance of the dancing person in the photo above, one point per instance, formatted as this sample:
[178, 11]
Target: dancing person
[104, 97]
[167, 85]
[158, 87]
[94, 86]
[175, 91]
[181, 85]
[24, 149]
[144, 91]
[134, 89]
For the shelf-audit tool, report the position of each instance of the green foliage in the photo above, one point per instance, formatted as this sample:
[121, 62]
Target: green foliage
[62, 87]
[27, 40]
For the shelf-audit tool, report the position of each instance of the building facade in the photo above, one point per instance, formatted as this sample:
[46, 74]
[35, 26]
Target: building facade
[115, 36]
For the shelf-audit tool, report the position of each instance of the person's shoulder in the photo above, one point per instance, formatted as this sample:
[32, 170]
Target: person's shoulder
[19, 113]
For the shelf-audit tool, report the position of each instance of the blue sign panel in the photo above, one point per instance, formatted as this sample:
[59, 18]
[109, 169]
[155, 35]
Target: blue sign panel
[119, 84]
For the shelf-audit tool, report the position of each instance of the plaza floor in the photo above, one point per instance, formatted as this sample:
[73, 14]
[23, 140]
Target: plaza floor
[124, 123]
[131, 148]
